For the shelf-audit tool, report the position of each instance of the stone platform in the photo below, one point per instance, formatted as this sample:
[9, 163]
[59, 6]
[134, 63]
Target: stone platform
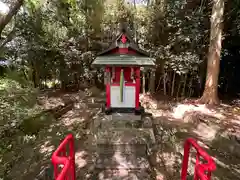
[122, 145]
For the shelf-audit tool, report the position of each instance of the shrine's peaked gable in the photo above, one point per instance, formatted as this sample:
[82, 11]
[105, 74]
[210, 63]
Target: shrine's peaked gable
[123, 52]
[131, 44]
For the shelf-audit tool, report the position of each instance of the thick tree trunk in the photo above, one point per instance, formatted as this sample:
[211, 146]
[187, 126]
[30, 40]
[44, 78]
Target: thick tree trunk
[210, 94]
[164, 83]
[173, 83]
[184, 85]
[4, 20]
[152, 81]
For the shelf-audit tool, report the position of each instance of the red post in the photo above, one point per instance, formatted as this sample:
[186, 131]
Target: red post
[68, 162]
[137, 87]
[72, 158]
[200, 169]
[108, 101]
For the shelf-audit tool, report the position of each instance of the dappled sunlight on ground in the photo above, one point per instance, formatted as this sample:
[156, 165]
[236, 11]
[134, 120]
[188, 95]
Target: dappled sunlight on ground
[80, 159]
[181, 109]
[49, 103]
[46, 148]
[217, 130]
[73, 116]
[35, 153]
[149, 102]
[120, 160]
[160, 176]
[236, 121]
[205, 131]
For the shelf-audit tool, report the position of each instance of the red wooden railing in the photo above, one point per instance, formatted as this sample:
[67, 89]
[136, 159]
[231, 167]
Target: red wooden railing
[202, 171]
[67, 158]
[64, 156]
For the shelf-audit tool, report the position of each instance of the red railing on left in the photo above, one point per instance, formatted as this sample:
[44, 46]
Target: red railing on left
[64, 156]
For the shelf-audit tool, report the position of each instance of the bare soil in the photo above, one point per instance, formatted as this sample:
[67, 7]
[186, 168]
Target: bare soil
[216, 129]
[29, 156]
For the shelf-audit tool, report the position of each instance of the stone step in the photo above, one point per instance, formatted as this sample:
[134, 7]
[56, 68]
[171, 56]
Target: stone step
[94, 105]
[123, 120]
[122, 174]
[124, 116]
[138, 149]
[125, 136]
[122, 161]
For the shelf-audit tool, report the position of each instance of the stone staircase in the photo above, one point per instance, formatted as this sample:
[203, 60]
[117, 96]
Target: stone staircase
[122, 145]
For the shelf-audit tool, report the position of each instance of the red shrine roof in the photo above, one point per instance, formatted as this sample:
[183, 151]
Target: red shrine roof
[125, 52]
[124, 37]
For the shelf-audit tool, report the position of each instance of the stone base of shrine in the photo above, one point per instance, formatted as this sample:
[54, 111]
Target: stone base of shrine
[116, 110]
[123, 145]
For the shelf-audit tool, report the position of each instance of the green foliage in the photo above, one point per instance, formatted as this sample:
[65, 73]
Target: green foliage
[34, 4]
[57, 40]
[32, 125]
[17, 102]
[18, 77]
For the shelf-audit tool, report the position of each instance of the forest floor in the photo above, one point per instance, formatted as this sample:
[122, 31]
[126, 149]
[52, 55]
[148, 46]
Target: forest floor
[216, 129]
[29, 156]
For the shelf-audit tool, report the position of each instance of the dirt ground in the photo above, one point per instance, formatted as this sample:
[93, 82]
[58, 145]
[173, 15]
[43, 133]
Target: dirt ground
[30, 155]
[216, 129]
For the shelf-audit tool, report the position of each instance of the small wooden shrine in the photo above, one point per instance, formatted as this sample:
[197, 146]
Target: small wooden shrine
[122, 62]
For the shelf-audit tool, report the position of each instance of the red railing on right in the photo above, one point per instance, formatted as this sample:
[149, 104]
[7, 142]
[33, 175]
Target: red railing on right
[202, 171]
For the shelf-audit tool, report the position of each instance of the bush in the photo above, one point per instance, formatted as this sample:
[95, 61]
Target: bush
[17, 102]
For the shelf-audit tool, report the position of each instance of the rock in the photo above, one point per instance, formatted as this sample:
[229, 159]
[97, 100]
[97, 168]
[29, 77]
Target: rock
[125, 136]
[147, 122]
[191, 117]
[81, 93]
[122, 161]
[94, 91]
[164, 106]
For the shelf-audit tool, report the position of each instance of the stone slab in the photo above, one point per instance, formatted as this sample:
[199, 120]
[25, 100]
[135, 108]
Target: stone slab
[122, 120]
[138, 149]
[125, 136]
[123, 174]
[124, 116]
[110, 124]
[122, 161]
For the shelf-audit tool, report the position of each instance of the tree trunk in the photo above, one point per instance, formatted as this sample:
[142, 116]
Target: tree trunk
[152, 80]
[159, 83]
[210, 94]
[184, 85]
[179, 86]
[164, 84]
[4, 20]
[173, 83]
[190, 86]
